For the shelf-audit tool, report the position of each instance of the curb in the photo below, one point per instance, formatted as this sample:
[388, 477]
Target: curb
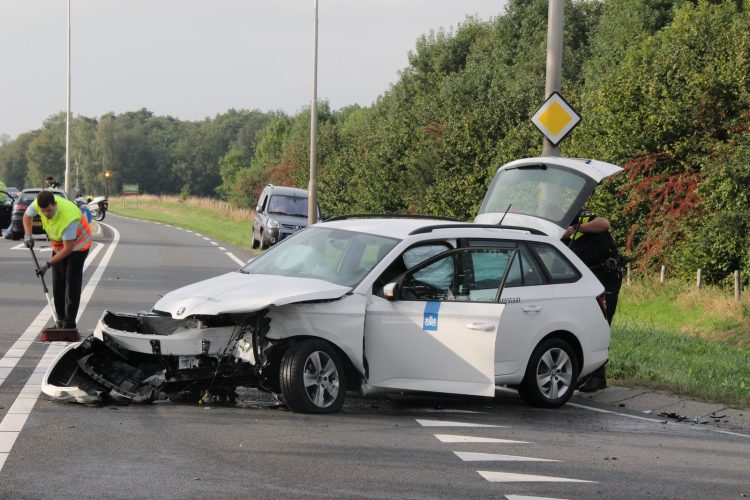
[668, 407]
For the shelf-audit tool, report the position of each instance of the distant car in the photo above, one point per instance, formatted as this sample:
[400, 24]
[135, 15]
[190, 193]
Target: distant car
[281, 212]
[6, 207]
[24, 199]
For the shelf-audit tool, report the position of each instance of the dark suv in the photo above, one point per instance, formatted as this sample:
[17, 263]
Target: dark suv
[281, 211]
[26, 198]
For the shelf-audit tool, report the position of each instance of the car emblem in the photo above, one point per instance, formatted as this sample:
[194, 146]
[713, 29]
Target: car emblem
[180, 310]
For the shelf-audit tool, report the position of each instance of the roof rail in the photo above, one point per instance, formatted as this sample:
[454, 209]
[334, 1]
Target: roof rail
[387, 216]
[429, 229]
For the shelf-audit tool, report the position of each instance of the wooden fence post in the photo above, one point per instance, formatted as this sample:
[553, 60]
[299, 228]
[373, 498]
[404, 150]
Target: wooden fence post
[627, 275]
[736, 286]
[698, 279]
[662, 273]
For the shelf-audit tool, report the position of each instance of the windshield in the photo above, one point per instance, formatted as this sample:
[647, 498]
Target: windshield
[545, 191]
[335, 255]
[295, 206]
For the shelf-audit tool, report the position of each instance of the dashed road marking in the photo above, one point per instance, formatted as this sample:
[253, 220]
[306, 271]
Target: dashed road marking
[453, 438]
[524, 497]
[234, 258]
[214, 243]
[468, 456]
[514, 477]
[448, 423]
[222, 249]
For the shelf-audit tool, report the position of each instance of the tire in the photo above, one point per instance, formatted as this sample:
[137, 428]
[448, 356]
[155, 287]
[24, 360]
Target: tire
[98, 214]
[312, 377]
[263, 244]
[255, 243]
[15, 235]
[551, 374]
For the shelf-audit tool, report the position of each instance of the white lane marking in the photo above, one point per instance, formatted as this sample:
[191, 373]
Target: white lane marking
[29, 395]
[222, 249]
[198, 234]
[524, 497]
[214, 243]
[513, 477]
[21, 246]
[19, 348]
[654, 421]
[444, 410]
[189, 231]
[447, 423]
[453, 438]
[207, 239]
[232, 256]
[13, 422]
[468, 456]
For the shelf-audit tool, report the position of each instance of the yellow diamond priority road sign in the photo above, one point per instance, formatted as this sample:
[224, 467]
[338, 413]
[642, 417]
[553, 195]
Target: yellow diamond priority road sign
[555, 118]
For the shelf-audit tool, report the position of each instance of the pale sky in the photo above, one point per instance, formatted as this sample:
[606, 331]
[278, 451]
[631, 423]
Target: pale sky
[193, 59]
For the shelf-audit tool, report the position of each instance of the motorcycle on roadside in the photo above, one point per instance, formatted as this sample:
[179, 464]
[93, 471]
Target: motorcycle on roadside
[97, 207]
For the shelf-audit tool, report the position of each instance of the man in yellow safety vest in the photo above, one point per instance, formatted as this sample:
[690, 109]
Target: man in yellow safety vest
[68, 230]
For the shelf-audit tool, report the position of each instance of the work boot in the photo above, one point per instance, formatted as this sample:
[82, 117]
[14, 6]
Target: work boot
[597, 380]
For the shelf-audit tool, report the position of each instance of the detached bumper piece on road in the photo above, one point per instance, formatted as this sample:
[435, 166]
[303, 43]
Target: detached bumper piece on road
[100, 369]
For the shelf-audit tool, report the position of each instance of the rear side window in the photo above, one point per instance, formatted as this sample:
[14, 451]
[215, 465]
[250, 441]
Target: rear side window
[525, 271]
[559, 269]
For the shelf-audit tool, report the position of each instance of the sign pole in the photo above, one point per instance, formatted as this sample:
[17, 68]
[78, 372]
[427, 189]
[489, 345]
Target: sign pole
[555, 21]
[312, 188]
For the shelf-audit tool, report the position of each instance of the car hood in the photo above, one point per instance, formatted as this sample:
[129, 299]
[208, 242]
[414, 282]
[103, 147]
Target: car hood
[237, 293]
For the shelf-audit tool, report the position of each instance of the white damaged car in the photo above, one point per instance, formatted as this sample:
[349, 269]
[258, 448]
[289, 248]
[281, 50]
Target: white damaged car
[388, 304]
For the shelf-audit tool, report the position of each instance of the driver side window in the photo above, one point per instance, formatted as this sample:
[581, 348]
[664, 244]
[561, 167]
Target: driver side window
[465, 275]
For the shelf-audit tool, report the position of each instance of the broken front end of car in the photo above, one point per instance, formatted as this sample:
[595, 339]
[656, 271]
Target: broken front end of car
[140, 358]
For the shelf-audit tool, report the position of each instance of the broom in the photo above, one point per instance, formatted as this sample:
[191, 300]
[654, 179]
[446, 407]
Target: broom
[53, 334]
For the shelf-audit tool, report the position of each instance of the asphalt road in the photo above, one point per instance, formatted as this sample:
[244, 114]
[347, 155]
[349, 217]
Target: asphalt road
[404, 447]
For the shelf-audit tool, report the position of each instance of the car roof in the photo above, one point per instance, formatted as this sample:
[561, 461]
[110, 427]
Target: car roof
[402, 228]
[283, 190]
[37, 190]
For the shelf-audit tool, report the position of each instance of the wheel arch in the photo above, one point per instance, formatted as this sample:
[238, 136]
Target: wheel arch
[281, 346]
[571, 339]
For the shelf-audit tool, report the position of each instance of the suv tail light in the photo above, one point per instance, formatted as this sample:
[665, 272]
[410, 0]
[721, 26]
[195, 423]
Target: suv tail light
[601, 299]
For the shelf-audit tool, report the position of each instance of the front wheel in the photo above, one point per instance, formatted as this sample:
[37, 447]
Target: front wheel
[550, 375]
[312, 377]
[97, 214]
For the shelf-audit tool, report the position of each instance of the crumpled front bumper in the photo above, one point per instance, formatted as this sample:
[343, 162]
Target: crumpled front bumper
[141, 358]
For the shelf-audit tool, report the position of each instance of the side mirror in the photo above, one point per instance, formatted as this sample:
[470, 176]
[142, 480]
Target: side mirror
[389, 291]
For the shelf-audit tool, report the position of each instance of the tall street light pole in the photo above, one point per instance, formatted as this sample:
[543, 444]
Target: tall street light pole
[67, 118]
[312, 188]
[555, 20]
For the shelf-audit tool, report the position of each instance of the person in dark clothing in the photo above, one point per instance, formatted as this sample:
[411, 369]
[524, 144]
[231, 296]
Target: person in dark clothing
[589, 238]
[52, 183]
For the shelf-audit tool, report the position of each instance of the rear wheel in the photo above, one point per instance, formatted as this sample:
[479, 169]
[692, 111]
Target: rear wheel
[312, 377]
[550, 374]
[256, 243]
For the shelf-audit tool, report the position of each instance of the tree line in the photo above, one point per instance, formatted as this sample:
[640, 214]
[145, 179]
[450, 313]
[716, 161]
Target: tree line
[663, 87]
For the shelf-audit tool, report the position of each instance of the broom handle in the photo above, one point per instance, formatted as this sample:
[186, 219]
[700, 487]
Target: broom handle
[36, 262]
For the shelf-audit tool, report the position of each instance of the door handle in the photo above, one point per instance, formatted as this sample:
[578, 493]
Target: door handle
[531, 309]
[483, 327]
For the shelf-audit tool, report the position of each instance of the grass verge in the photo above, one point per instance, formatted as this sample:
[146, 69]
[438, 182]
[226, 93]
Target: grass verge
[694, 343]
[211, 218]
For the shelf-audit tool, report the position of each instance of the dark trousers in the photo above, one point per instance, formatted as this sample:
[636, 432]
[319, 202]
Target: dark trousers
[67, 276]
[612, 282]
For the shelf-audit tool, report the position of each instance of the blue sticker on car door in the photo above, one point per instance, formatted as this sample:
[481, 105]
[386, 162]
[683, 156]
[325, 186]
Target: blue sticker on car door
[430, 322]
